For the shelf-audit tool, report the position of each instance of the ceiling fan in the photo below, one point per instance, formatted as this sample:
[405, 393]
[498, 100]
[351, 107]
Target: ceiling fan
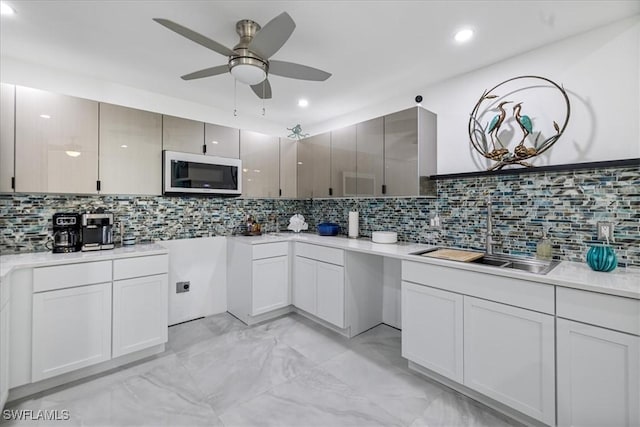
[249, 60]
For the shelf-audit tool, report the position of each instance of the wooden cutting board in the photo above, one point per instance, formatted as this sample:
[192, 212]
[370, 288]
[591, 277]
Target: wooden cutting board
[454, 254]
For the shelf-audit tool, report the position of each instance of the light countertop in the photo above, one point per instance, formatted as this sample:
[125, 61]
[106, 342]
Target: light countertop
[623, 282]
[40, 259]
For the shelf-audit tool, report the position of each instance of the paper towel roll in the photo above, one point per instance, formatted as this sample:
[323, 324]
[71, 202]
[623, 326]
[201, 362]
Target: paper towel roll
[353, 224]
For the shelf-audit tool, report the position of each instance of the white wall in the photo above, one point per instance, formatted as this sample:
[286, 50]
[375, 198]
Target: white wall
[600, 71]
[203, 262]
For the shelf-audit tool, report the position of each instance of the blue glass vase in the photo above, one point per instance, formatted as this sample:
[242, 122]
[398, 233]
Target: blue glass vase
[602, 258]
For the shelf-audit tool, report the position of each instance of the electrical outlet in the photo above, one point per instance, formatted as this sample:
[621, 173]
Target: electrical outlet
[182, 287]
[605, 231]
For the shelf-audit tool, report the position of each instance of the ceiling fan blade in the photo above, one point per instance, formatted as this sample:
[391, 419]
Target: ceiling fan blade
[297, 71]
[263, 89]
[207, 72]
[196, 37]
[273, 35]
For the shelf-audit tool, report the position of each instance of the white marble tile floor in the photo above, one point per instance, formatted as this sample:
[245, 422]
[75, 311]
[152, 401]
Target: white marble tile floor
[286, 372]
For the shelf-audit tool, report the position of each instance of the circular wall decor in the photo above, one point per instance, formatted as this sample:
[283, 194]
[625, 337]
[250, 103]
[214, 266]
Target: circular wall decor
[504, 123]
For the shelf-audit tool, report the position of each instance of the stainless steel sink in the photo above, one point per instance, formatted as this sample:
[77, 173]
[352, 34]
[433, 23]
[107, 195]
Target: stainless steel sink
[529, 265]
[535, 266]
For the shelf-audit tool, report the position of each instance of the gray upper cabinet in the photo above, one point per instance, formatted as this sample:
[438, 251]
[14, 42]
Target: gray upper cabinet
[7, 98]
[130, 151]
[343, 162]
[410, 152]
[260, 155]
[56, 143]
[288, 167]
[222, 141]
[370, 157]
[184, 135]
[314, 166]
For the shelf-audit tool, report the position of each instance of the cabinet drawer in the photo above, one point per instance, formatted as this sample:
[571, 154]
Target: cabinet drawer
[522, 293]
[609, 311]
[71, 275]
[270, 250]
[140, 266]
[320, 253]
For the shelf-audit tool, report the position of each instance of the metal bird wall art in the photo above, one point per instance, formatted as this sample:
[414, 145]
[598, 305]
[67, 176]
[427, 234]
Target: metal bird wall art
[493, 147]
[296, 132]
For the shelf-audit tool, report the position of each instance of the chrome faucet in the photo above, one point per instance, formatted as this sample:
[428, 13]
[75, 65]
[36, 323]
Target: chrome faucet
[489, 235]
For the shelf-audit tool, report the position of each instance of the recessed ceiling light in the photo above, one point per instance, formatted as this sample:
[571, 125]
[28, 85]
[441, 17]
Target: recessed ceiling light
[245, 170]
[72, 153]
[45, 116]
[464, 35]
[256, 170]
[215, 142]
[124, 146]
[5, 9]
[303, 102]
[299, 163]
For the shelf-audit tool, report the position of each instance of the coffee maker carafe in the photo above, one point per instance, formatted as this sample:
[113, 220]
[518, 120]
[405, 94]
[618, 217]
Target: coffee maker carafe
[66, 233]
[97, 231]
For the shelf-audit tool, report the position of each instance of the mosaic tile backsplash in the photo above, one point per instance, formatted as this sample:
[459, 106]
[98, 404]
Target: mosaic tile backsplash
[567, 204]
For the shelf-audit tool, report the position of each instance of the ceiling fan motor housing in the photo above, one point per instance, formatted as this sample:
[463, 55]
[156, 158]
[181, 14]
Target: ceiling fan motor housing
[246, 66]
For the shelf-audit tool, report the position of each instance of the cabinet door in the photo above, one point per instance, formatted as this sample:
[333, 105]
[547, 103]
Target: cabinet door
[288, 167]
[330, 293]
[222, 141]
[4, 355]
[304, 286]
[7, 120]
[140, 313]
[71, 329]
[260, 156]
[370, 157]
[432, 329]
[343, 161]
[598, 376]
[270, 284]
[184, 135]
[401, 153]
[130, 151]
[56, 142]
[509, 356]
[314, 166]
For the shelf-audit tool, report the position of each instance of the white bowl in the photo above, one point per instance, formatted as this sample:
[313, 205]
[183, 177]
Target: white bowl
[384, 237]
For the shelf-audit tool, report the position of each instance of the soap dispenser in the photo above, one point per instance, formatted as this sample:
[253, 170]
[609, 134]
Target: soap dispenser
[544, 249]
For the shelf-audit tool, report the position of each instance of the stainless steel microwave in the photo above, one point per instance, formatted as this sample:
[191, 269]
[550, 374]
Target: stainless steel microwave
[186, 173]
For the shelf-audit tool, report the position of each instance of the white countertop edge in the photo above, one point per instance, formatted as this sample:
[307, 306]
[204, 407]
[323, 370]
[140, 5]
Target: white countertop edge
[623, 282]
[8, 263]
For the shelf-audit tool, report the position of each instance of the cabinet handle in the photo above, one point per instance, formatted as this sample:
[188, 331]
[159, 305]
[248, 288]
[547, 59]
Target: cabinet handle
[13, 182]
[280, 192]
[204, 148]
[98, 185]
[384, 189]
[330, 191]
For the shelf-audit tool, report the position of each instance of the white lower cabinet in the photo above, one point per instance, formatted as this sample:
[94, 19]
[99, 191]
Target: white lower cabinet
[71, 329]
[319, 290]
[432, 329]
[140, 311]
[4, 353]
[330, 293]
[304, 284]
[270, 284]
[598, 376]
[509, 356]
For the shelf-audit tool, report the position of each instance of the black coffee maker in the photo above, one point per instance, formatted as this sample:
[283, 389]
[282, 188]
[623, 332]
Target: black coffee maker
[66, 233]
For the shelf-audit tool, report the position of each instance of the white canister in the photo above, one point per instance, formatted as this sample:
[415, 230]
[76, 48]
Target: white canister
[353, 225]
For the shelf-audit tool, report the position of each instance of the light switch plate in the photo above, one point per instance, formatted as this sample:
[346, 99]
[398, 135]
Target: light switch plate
[605, 230]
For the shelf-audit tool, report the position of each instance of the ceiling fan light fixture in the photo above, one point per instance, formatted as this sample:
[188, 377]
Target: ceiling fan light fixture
[248, 70]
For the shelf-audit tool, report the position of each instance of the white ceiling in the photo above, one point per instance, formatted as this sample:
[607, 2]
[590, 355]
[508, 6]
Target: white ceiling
[375, 49]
